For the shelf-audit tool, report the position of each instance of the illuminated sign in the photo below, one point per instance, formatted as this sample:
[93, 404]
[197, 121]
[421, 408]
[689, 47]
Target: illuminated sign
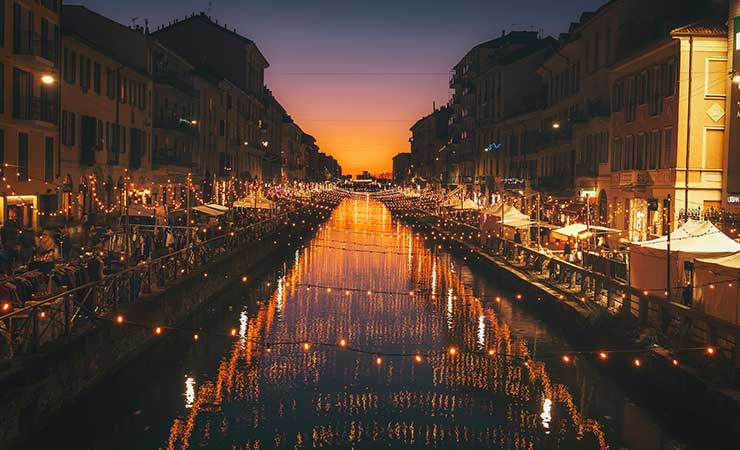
[492, 146]
[589, 193]
[733, 199]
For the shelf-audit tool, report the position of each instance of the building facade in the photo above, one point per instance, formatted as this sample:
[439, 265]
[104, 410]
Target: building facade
[29, 110]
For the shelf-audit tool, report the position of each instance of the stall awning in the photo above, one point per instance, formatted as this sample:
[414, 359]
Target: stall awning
[208, 211]
[218, 207]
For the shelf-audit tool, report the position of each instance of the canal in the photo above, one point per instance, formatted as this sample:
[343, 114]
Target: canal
[360, 324]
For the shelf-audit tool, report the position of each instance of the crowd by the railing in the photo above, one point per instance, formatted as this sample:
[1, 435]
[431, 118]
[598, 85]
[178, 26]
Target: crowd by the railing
[75, 295]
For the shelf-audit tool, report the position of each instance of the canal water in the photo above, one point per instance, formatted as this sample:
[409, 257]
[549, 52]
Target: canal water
[360, 322]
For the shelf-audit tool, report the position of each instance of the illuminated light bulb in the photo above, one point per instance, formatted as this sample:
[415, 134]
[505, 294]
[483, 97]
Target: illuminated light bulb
[158, 330]
[452, 351]
[342, 342]
[637, 362]
[244, 279]
[518, 296]
[328, 289]
[306, 346]
[346, 292]
[566, 359]
[603, 355]
[711, 351]
[233, 332]
[42, 314]
[196, 337]
[369, 293]
[711, 286]
[417, 358]
[6, 306]
[119, 319]
[378, 360]
[645, 293]
[491, 352]
[675, 362]
[498, 299]
[411, 293]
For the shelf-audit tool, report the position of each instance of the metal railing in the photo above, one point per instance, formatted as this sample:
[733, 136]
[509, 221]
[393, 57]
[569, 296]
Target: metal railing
[27, 329]
[670, 324]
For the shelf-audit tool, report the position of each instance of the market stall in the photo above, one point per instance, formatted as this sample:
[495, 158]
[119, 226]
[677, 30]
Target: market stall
[694, 240]
[717, 287]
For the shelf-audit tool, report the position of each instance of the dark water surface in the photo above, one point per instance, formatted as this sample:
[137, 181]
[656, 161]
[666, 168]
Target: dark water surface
[224, 393]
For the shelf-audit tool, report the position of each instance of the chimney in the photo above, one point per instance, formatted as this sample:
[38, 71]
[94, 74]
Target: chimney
[434, 105]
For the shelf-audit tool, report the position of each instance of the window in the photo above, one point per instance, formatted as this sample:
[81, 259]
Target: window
[222, 128]
[629, 153]
[85, 76]
[99, 136]
[617, 155]
[123, 139]
[49, 159]
[608, 45]
[641, 152]
[70, 66]
[597, 62]
[107, 135]
[110, 83]
[668, 148]
[655, 97]
[669, 84]
[22, 157]
[22, 93]
[2, 23]
[96, 78]
[655, 150]
[2, 86]
[68, 128]
[2, 152]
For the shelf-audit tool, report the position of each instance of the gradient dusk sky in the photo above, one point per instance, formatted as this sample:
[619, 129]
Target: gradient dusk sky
[357, 74]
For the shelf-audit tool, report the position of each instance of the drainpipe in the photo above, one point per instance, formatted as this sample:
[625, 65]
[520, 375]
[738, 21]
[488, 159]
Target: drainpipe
[688, 136]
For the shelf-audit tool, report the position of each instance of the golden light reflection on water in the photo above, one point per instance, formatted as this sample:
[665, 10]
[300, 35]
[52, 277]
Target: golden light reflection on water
[330, 397]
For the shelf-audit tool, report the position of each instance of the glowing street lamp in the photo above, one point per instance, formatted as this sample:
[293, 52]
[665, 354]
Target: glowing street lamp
[48, 79]
[556, 125]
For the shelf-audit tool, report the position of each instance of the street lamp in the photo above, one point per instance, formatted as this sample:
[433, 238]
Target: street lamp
[556, 125]
[48, 79]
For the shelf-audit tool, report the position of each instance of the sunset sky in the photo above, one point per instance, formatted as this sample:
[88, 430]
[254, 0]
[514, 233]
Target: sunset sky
[357, 74]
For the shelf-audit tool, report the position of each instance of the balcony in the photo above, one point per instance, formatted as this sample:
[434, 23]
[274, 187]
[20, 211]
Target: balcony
[635, 178]
[35, 108]
[28, 43]
[587, 170]
[179, 125]
[176, 81]
[170, 157]
[554, 182]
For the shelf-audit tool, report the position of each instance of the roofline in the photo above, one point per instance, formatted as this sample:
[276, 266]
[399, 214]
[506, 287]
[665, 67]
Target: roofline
[206, 19]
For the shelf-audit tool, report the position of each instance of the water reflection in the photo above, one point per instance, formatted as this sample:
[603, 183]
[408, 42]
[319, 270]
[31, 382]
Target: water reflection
[289, 397]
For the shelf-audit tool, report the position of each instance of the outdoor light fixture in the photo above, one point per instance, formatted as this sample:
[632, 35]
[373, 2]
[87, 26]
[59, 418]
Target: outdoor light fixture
[556, 125]
[193, 122]
[48, 79]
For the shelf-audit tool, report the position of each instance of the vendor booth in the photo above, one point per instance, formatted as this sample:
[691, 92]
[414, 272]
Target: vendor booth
[717, 287]
[694, 240]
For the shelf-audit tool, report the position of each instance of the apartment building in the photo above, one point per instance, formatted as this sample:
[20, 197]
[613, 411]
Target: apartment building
[668, 131]
[429, 138]
[29, 110]
[106, 118]
[291, 151]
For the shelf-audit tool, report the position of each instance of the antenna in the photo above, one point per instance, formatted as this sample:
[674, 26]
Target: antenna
[210, 6]
[133, 22]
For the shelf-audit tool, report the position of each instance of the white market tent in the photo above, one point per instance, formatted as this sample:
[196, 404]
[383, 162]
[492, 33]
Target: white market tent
[207, 211]
[250, 202]
[218, 207]
[694, 240]
[577, 229]
[717, 291]
[467, 204]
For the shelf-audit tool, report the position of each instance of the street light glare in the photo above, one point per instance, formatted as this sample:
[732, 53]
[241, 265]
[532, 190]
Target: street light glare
[48, 79]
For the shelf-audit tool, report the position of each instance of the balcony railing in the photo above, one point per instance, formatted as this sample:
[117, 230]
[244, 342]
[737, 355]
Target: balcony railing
[26, 42]
[34, 108]
[180, 125]
[168, 156]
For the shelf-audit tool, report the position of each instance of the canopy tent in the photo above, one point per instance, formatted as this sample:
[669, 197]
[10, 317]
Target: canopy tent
[218, 207]
[511, 217]
[694, 240]
[577, 229]
[250, 202]
[467, 204]
[208, 211]
[717, 291]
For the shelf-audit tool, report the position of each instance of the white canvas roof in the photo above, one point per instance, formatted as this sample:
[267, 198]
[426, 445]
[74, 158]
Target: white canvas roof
[206, 210]
[694, 240]
[717, 284]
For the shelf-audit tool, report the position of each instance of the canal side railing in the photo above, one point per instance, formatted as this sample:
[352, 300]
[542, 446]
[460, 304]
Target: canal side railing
[669, 324]
[26, 330]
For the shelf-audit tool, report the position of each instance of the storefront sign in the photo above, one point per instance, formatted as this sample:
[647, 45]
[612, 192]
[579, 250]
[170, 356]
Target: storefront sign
[513, 184]
[733, 199]
[591, 193]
